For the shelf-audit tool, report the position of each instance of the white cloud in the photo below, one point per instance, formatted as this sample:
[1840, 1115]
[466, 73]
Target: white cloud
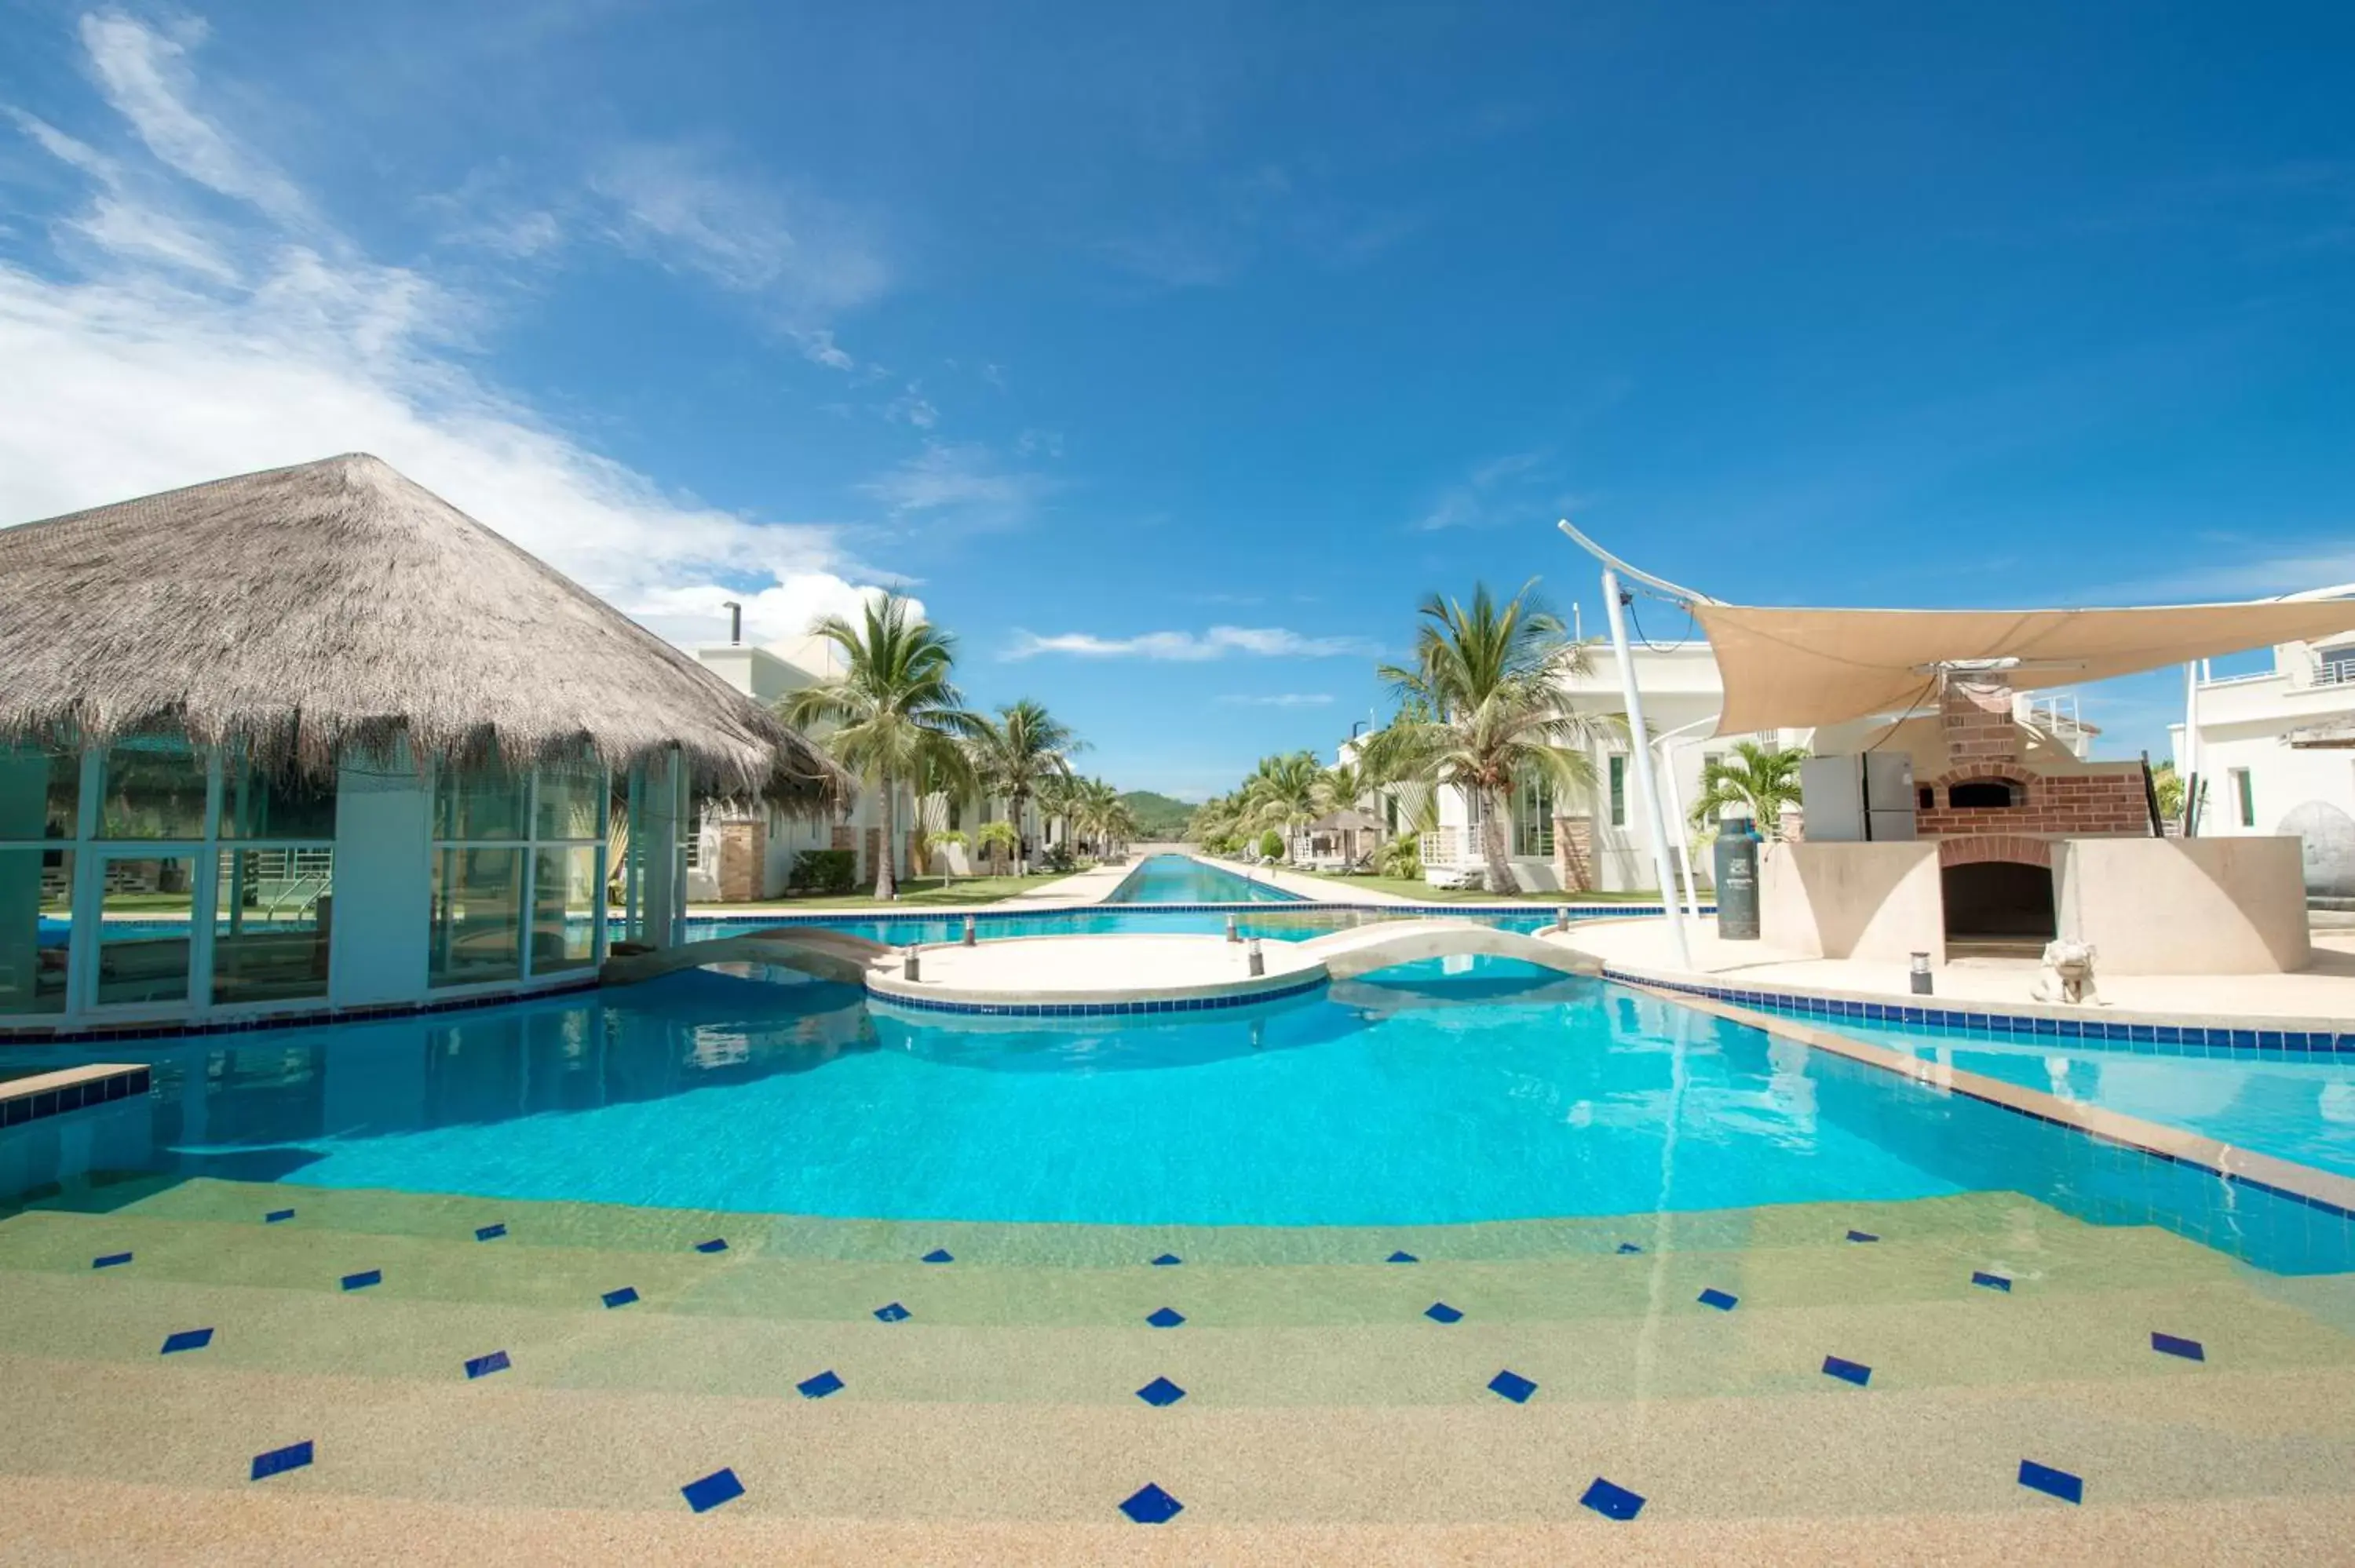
[171, 358]
[1189, 647]
[1279, 700]
[959, 483]
[1493, 492]
[674, 206]
[145, 76]
[819, 348]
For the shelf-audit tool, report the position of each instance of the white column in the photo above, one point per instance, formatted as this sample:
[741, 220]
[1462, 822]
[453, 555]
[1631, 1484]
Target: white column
[1677, 816]
[2190, 749]
[1644, 783]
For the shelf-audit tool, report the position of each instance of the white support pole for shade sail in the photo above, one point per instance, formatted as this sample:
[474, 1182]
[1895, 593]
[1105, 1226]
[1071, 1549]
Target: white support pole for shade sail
[1677, 816]
[1646, 785]
[2191, 768]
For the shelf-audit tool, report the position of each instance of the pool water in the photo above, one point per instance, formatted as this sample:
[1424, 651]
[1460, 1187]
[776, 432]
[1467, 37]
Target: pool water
[1182, 879]
[2298, 1108]
[1456, 1091]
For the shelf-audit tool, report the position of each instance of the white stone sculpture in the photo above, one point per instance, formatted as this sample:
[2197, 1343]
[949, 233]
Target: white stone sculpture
[2068, 974]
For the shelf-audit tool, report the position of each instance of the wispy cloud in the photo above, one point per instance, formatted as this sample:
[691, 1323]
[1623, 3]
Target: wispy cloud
[1192, 647]
[1500, 490]
[679, 207]
[2240, 568]
[159, 352]
[958, 483]
[1266, 212]
[1278, 700]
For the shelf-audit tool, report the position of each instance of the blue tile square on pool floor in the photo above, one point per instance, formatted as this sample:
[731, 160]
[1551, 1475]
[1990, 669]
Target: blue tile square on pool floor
[1629, 1246]
[483, 1366]
[363, 1279]
[1848, 1371]
[1441, 1312]
[2169, 1345]
[111, 1260]
[621, 1297]
[716, 1244]
[1166, 1318]
[1167, 1260]
[1512, 1385]
[1401, 1257]
[891, 1313]
[939, 1255]
[277, 1216]
[489, 1232]
[294, 1456]
[1713, 1296]
[1151, 1505]
[1612, 1501]
[715, 1488]
[2055, 1483]
[1862, 1236]
[1160, 1392]
[186, 1339]
[1992, 1281]
[818, 1387]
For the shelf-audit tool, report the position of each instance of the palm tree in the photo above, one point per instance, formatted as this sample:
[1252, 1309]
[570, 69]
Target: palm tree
[1017, 755]
[1484, 707]
[991, 837]
[1284, 793]
[1103, 814]
[1757, 780]
[896, 714]
[2168, 785]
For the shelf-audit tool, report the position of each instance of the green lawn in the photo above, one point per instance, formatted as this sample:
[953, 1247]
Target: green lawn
[1423, 892]
[921, 892]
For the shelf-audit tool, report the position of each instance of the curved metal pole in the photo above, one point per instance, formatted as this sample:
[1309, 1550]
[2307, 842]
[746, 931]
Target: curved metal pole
[1683, 597]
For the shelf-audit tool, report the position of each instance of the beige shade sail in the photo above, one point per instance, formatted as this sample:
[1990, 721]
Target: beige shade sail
[1800, 668]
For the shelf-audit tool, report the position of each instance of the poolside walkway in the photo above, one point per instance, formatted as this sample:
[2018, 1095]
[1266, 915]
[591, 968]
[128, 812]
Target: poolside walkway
[2322, 995]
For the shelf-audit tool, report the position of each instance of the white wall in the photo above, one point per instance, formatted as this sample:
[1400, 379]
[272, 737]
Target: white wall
[384, 891]
[2307, 793]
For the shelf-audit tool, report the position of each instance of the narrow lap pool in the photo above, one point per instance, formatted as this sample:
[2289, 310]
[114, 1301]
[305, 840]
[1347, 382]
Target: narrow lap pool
[1182, 879]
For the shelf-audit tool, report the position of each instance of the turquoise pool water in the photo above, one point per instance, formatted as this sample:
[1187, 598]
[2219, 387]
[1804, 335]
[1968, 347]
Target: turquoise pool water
[1461, 1091]
[1181, 879]
[2295, 1108]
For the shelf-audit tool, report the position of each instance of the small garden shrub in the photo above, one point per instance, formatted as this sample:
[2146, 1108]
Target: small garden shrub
[831, 871]
[1271, 845]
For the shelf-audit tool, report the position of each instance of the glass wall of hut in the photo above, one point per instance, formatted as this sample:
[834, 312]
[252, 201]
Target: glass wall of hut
[152, 881]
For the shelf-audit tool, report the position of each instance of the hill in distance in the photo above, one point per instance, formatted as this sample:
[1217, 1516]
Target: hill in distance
[1158, 817]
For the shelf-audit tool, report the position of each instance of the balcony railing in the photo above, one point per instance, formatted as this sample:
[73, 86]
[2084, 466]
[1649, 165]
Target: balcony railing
[1447, 848]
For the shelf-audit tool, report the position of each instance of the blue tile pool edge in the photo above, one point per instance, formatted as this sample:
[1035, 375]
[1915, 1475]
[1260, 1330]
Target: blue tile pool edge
[2292, 1182]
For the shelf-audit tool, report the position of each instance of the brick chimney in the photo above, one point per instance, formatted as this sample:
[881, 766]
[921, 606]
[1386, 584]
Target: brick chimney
[1975, 715]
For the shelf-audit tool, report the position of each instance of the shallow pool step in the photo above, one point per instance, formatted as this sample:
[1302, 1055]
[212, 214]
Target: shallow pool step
[616, 1228]
[2059, 1257]
[508, 1443]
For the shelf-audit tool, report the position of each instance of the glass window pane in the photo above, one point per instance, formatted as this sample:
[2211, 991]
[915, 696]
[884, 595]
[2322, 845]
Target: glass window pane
[153, 788]
[40, 793]
[565, 907]
[142, 939]
[35, 929]
[477, 932]
[479, 804]
[571, 804]
[270, 804]
[272, 911]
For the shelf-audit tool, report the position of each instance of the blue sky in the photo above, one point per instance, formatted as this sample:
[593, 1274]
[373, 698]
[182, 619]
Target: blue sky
[1170, 357]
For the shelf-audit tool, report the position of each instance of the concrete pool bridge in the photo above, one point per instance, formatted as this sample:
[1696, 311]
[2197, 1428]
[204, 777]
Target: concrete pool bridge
[1122, 973]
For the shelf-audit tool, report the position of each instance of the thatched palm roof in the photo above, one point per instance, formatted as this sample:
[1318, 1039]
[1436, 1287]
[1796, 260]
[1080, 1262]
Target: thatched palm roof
[305, 608]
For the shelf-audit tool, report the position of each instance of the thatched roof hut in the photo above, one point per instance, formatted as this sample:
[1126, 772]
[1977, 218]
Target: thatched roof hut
[337, 603]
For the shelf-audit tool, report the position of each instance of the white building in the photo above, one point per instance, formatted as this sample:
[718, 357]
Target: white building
[738, 854]
[2275, 754]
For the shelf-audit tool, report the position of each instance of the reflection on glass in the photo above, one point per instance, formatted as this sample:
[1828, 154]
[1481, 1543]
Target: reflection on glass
[571, 804]
[479, 804]
[564, 909]
[477, 933]
[259, 803]
[40, 793]
[273, 912]
[143, 941]
[35, 929]
[153, 788]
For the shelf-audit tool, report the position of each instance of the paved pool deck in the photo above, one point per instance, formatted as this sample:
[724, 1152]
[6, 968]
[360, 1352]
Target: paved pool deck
[2322, 995]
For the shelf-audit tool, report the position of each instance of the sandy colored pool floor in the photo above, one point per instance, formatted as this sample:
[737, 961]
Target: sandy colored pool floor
[1326, 1415]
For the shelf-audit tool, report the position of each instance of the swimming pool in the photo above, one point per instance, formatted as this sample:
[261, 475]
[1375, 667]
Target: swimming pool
[2296, 1107]
[1453, 1092]
[1182, 879]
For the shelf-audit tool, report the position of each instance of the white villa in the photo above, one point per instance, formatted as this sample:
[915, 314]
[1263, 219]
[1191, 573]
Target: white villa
[740, 851]
[1602, 843]
[2275, 753]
